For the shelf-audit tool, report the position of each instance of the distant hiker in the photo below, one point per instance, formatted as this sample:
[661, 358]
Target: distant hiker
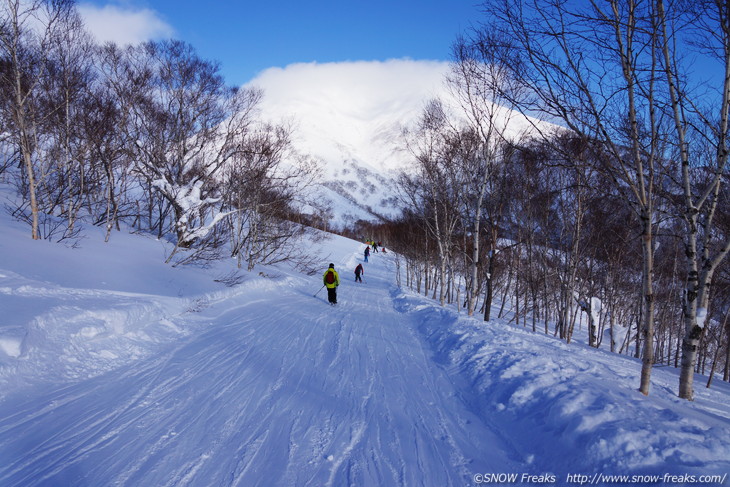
[367, 253]
[359, 270]
[331, 280]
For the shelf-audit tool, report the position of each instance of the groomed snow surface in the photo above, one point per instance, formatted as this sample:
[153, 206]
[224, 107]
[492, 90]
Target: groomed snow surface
[116, 370]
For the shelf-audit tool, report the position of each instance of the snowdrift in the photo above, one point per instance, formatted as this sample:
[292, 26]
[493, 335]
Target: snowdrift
[575, 409]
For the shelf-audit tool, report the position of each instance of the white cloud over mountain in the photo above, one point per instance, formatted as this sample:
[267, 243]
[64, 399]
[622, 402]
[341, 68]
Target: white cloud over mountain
[352, 109]
[349, 115]
[124, 25]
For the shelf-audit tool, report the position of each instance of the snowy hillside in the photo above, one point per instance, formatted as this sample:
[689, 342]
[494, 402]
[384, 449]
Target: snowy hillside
[118, 370]
[349, 116]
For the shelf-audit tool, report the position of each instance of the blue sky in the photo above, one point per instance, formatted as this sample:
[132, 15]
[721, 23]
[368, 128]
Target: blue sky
[247, 37]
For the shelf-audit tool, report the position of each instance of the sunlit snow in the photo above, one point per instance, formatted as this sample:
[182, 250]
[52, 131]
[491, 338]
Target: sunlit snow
[116, 369]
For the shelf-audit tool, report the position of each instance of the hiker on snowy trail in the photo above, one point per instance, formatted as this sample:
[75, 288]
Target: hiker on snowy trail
[331, 280]
[367, 253]
[359, 270]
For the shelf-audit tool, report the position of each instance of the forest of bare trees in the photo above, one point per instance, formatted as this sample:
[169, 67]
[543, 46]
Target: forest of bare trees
[148, 135]
[613, 203]
[574, 183]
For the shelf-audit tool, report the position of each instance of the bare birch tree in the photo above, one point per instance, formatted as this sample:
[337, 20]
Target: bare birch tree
[479, 83]
[110, 132]
[69, 177]
[27, 30]
[432, 190]
[698, 123]
[592, 68]
[263, 182]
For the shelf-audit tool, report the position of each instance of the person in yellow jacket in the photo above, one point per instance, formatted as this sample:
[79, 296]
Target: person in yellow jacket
[331, 280]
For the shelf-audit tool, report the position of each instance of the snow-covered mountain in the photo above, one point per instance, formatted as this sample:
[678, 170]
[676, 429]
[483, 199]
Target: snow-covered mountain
[349, 116]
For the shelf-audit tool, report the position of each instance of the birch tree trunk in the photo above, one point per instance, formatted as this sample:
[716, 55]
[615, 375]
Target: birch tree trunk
[26, 42]
[701, 265]
[647, 321]
[11, 43]
[489, 296]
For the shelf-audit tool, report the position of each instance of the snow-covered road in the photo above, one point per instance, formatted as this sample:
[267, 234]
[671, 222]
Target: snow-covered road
[274, 387]
[118, 370]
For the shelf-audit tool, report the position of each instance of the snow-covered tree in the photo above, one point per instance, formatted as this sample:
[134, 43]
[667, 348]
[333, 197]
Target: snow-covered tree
[189, 125]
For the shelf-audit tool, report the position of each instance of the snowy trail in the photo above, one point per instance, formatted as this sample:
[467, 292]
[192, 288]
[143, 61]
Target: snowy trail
[297, 393]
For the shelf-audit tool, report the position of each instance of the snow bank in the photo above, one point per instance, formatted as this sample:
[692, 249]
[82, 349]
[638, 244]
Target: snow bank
[551, 398]
[74, 313]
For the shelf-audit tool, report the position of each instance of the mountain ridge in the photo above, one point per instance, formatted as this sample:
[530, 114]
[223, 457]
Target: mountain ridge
[349, 116]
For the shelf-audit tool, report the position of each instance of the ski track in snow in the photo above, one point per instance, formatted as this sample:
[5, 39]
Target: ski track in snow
[262, 384]
[297, 393]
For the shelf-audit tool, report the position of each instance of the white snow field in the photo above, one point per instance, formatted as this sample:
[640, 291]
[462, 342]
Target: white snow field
[116, 370]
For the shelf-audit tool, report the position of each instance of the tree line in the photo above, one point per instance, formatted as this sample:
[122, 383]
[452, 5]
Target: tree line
[150, 136]
[582, 167]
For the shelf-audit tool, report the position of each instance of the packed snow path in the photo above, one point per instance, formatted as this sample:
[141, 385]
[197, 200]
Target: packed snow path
[275, 388]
